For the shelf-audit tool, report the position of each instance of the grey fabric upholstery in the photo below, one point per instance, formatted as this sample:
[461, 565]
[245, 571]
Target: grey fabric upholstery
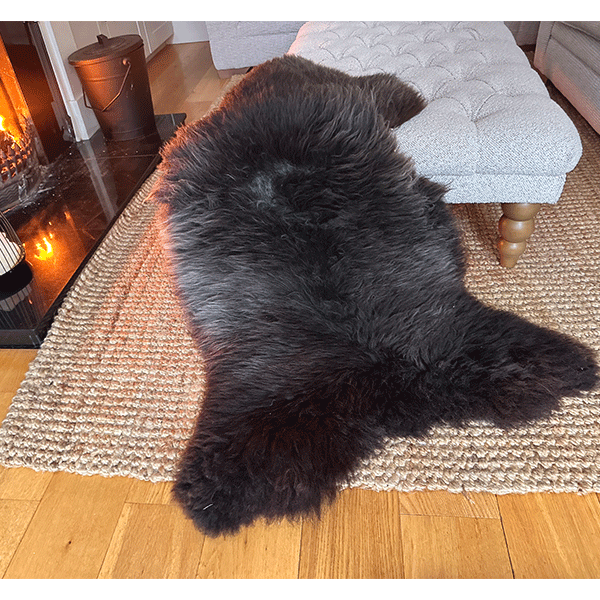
[568, 53]
[525, 32]
[240, 44]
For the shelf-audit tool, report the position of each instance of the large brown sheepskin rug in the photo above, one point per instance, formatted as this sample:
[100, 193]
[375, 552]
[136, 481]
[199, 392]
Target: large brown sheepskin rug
[323, 282]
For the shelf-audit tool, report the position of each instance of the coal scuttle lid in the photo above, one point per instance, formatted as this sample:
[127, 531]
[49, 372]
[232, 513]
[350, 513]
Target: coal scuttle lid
[106, 49]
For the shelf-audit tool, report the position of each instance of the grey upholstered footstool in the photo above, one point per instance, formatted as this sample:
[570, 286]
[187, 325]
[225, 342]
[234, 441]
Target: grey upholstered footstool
[490, 130]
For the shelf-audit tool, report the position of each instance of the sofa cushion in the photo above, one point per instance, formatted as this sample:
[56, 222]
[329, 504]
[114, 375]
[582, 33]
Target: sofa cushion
[568, 53]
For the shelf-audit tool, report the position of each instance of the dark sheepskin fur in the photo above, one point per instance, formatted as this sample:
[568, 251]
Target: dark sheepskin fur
[323, 281]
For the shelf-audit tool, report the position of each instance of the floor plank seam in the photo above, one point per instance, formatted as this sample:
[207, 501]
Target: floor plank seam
[510, 562]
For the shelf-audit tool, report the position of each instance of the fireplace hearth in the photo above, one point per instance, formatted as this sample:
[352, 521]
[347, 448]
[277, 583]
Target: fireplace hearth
[60, 196]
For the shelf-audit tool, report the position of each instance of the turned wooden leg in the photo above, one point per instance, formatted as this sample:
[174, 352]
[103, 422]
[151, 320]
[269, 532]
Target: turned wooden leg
[515, 225]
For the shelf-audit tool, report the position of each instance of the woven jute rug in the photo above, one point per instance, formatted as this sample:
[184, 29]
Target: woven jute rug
[116, 387]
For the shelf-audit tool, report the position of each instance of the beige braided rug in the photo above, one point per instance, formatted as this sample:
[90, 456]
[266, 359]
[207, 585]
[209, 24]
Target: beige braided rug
[117, 384]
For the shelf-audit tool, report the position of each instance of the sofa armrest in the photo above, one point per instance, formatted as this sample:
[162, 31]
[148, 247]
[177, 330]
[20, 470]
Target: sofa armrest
[568, 53]
[525, 32]
[242, 44]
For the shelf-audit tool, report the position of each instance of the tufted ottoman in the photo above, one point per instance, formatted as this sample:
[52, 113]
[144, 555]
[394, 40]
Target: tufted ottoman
[490, 131]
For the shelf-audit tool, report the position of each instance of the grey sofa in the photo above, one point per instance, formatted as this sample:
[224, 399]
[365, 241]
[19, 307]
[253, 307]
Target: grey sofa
[568, 53]
[524, 32]
[238, 45]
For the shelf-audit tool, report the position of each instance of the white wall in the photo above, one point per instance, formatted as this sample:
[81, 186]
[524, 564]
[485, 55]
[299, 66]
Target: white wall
[60, 43]
[189, 31]
[154, 33]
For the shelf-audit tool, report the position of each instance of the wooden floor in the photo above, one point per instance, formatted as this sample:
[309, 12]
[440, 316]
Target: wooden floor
[68, 526]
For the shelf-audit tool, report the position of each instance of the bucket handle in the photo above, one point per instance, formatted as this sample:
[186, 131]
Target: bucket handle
[127, 62]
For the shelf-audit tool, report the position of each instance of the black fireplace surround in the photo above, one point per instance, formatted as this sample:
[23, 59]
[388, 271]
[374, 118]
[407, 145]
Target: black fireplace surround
[83, 188]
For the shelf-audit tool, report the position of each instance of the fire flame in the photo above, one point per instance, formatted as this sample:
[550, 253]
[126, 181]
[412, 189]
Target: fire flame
[7, 135]
[45, 251]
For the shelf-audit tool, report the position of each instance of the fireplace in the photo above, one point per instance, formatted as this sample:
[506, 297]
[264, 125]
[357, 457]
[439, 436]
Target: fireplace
[21, 153]
[20, 168]
[59, 195]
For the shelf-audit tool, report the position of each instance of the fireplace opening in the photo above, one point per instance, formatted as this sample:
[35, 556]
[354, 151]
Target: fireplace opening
[21, 153]
[34, 126]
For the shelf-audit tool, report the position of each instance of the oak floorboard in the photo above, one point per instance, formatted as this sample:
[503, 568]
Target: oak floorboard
[5, 402]
[146, 492]
[20, 483]
[15, 516]
[197, 104]
[357, 537]
[260, 551]
[183, 79]
[71, 530]
[175, 71]
[555, 536]
[454, 548]
[446, 504]
[152, 541]
[13, 366]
